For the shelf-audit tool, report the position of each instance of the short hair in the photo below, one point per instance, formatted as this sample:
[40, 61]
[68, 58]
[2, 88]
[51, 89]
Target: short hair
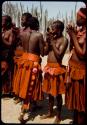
[27, 15]
[34, 23]
[83, 10]
[8, 19]
[59, 25]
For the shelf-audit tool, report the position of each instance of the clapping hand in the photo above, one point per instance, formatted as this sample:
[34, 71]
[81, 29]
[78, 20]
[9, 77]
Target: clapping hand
[71, 29]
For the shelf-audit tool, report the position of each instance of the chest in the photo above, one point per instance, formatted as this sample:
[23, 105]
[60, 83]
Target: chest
[6, 35]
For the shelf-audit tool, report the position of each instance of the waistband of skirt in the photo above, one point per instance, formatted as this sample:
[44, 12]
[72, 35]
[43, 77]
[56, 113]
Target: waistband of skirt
[53, 65]
[31, 57]
[79, 65]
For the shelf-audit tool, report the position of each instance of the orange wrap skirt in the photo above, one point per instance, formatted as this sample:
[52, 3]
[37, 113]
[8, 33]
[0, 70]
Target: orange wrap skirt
[53, 82]
[18, 63]
[75, 95]
[27, 81]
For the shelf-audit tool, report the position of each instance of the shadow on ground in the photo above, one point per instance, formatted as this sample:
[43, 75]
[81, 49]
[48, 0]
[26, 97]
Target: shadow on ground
[43, 109]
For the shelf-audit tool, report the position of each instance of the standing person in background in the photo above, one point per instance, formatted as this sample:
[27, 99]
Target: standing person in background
[30, 82]
[53, 83]
[23, 37]
[75, 88]
[8, 45]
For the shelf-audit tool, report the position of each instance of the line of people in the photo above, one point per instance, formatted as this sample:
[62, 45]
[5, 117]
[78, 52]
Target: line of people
[22, 50]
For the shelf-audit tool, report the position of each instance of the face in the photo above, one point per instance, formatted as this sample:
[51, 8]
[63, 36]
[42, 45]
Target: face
[80, 21]
[3, 21]
[23, 21]
[55, 30]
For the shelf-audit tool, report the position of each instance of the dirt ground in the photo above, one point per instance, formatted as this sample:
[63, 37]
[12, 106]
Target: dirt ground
[10, 111]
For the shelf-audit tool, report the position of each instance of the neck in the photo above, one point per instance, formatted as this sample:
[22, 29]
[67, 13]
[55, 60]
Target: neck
[61, 35]
[26, 27]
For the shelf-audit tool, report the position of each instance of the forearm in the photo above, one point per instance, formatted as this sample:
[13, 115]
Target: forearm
[78, 49]
[46, 49]
[56, 51]
[7, 43]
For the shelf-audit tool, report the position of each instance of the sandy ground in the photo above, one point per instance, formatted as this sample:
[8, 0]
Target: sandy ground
[10, 111]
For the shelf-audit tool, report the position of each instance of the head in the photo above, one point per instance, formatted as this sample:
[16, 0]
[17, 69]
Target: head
[81, 17]
[49, 29]
[57, 28]
[34, 23]
[25, 19]
[6, 21]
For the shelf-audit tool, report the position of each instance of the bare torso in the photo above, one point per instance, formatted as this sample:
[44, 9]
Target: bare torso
[8, 43]
[24, 38]
[75, 56]
[51, 56]
[32, 42]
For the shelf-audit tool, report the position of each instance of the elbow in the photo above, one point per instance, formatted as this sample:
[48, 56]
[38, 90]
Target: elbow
[82, 53]
[42, 54]
[46, 53]
[58, 56]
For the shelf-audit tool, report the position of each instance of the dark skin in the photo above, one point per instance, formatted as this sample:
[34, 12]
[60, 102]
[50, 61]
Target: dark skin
[33, 39]
[9, 39]
[24, 38]
[8, 44]
[58, 46]
[55, 47]
[8, 36]
[79, 50]
[34, 44]
[79, 54]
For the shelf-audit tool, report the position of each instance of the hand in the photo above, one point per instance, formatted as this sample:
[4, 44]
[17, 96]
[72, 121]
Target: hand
[52, 43]
[71, 33]
[47, 37]
[70, 29]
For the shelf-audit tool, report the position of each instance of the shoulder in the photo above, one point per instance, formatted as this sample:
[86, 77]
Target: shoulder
[8, 32]
[37, 34]
[62, 41]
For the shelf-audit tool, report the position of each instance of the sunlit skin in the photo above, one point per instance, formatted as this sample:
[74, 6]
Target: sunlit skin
[55, 46]
[79, 50]
[32, 40]
[58, 45]
[7, 33]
